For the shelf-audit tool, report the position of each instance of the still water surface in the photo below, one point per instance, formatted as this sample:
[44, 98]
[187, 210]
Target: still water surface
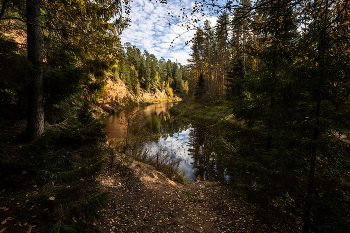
[152, 130]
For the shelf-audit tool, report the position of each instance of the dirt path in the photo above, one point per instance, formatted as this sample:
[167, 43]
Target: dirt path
[145, 200]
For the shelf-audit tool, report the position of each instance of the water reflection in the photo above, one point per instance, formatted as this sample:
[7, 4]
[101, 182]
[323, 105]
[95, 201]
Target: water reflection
[206, 164]
[152, 129]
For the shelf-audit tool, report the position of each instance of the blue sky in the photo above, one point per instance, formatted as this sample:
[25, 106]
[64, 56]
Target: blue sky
[150, 29]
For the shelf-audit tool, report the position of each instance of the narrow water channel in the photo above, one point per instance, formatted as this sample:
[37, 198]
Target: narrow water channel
[153, 132]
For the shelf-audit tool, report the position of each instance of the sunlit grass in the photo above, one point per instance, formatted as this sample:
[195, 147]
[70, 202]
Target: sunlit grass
[200, 112]
[166, 163]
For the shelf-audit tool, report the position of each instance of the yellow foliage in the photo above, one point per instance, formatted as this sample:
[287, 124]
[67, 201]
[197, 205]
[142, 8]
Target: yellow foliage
[114, 68]
[133, 71]
[137, 88]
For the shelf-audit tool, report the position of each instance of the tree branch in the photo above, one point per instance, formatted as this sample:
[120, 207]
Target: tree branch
[15, 18]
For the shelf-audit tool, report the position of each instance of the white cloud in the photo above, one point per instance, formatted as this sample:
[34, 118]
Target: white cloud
[139, 2]
[150, 30]
[180, 56]
[148, 7]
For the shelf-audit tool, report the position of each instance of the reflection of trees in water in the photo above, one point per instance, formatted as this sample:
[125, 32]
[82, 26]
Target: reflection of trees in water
[146, 127]
[152, 126]
[205, 164]
[135, 128]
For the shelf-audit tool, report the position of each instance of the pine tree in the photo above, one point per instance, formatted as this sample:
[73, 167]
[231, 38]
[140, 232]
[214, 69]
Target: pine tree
[221, 51]
[197, 60]
[321, 74]
[208, 43]
[261, 100]
[200, 89]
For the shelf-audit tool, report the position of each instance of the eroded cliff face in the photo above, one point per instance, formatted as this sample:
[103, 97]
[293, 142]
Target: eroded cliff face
[117, 95]
[117, 92]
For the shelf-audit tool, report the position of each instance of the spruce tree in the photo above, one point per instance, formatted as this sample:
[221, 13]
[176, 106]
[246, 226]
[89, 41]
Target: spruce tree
[288, 87]
[260, 102]
[293, 108]
[200, 89]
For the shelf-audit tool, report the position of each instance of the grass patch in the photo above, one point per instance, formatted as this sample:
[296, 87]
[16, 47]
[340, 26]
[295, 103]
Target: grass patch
[165, 163]
[203, 113]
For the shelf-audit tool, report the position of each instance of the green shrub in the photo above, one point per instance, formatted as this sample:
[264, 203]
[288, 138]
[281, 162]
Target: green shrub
[63, 164]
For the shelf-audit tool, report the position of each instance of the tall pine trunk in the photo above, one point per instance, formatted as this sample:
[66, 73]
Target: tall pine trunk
[35, 115]
[310, 187]
[272, 70]
[322, 47]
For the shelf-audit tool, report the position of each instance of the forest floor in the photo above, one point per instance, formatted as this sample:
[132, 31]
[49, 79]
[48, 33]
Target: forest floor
[144, 200]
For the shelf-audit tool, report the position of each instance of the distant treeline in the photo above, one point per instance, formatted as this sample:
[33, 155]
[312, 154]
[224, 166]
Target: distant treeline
[143, 70]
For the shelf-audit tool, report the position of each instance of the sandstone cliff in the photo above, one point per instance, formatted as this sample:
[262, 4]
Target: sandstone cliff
[118, 95]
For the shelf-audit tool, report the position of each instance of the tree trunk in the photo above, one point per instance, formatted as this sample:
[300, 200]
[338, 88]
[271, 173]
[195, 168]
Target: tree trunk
[35, 115]
[322, 45]
[310, 187]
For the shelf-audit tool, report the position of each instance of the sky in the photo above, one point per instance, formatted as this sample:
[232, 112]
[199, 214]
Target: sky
[150, 30]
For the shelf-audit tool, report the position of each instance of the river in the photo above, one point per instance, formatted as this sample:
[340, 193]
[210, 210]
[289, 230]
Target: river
[151, 131]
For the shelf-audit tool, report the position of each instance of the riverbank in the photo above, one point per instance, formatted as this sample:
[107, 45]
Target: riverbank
[145, 200]
[203, 113]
